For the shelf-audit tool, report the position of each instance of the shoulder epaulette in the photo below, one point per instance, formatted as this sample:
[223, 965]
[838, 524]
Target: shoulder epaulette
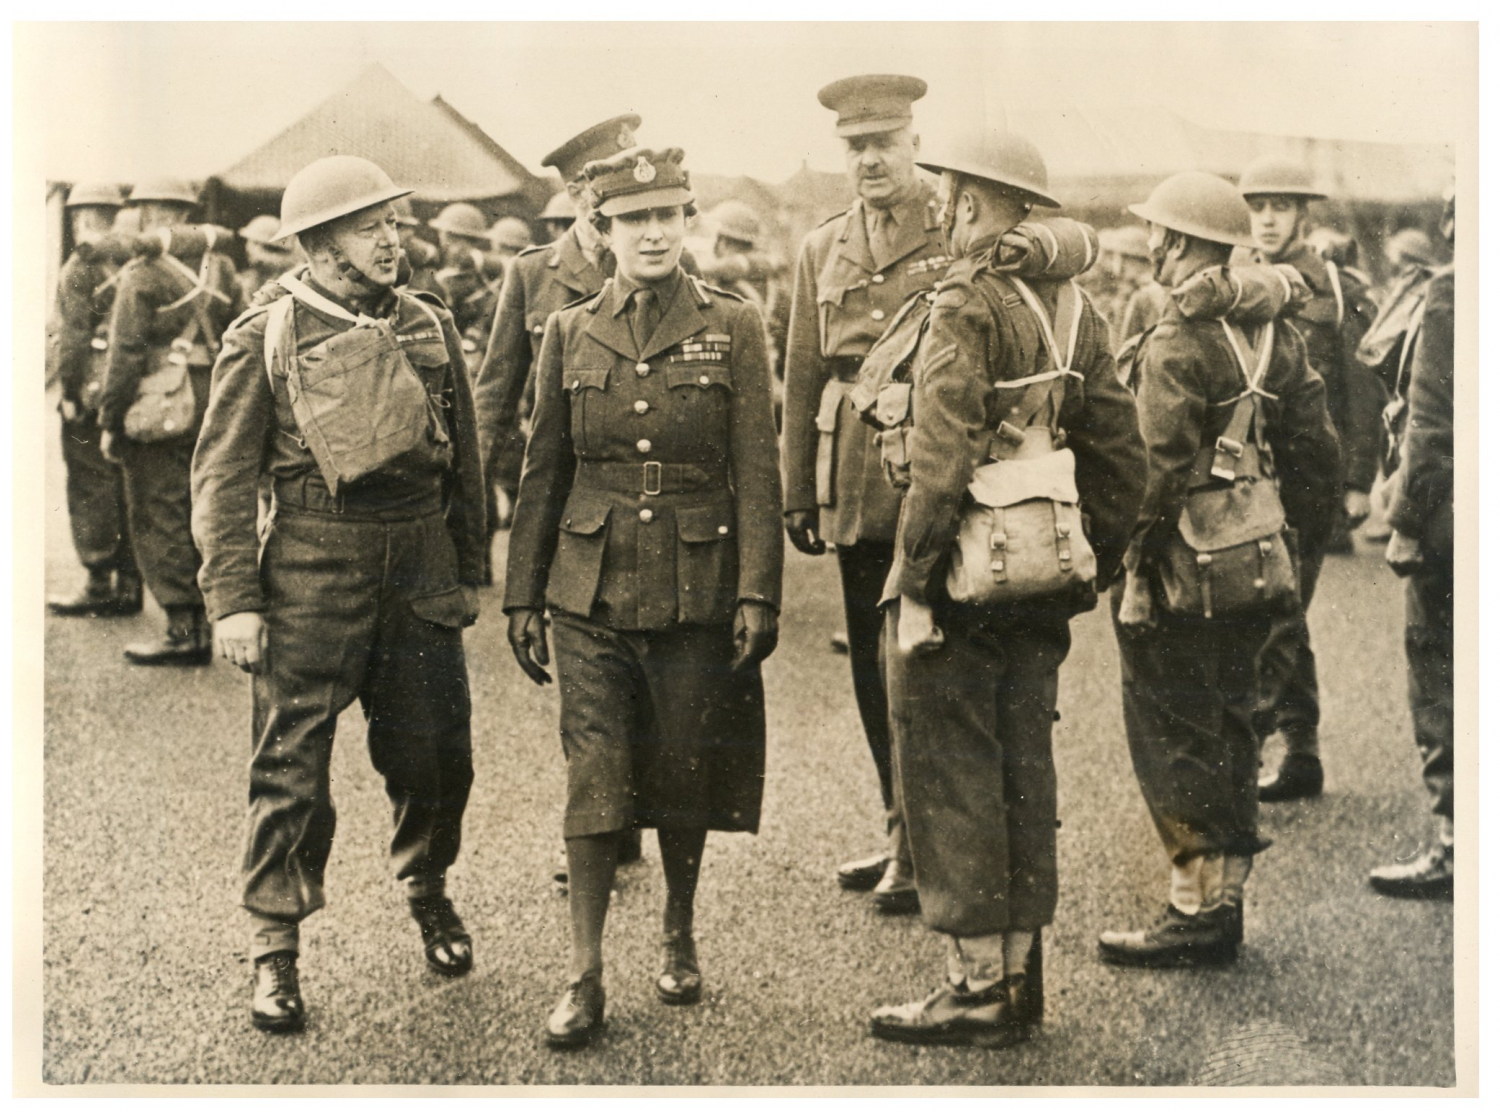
[427, 297]
[593, 302]
[244, 317]
[703, 288]
[532, 250]
[832, 218]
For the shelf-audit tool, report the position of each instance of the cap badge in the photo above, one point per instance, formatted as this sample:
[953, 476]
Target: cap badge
[625, 138]
[645, 170]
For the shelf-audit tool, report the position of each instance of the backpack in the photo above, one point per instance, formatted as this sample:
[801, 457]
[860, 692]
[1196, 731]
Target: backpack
[165, 406]
[357, 400]
[1229, 555]
[1021, 534]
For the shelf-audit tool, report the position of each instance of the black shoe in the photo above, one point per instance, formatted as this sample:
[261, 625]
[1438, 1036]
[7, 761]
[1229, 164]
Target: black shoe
[1428, 875]
[1231, 914]
[1300, 775]
[276, 1002]
[630, 846]
[1026, 998]
[1176, 940]
[187, 642]
[956, 1016]
[579, 1016]
[445, 942]
[896, 892]
[680, 982]
[863, 874]
[97, 599]
[129, 597]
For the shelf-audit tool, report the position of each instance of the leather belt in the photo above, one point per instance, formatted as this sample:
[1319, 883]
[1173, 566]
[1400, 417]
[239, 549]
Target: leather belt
[308, 494]
[648, 478]
[845, 369]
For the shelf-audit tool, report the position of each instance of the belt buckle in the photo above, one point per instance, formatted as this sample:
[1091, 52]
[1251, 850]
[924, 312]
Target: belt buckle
[649, 487]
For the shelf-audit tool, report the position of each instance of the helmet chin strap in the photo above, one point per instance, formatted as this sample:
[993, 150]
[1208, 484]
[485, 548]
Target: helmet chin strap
[366, 286]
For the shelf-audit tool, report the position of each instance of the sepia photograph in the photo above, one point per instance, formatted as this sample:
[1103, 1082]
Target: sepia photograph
[777, 556]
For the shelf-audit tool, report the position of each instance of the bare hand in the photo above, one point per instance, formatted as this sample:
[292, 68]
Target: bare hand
[756, 631]
[1404, 555]
[916, 632]
[528, 641]
[241, 640]
[1136, 613]
[802, 529]
[107, 447]
[1356, 507]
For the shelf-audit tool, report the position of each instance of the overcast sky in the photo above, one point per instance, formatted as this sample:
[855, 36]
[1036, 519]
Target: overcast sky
[119, 101]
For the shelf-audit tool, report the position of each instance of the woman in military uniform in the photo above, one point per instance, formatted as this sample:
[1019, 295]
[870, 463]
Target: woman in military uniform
[648, 523]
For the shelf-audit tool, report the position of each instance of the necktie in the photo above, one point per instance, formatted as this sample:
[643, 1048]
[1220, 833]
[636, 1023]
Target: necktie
[643, 318]
[880, 236]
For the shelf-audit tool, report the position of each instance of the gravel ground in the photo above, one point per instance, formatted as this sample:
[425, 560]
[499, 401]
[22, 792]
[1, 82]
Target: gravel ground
[145, 978]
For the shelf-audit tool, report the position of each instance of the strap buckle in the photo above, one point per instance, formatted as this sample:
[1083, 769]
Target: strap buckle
[1227, 451]
[651, 478]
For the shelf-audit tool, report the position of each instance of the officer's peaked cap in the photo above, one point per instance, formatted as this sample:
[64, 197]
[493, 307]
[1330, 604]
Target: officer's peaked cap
[871, 102]
[639, 179]
[599, 142]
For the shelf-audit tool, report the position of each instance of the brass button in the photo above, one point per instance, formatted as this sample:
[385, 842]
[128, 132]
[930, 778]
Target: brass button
[644, 446]
[537, 329]
[703, 380]
[641, 407]
[646, 516]
[723, 530]
[576, 383]
[642, 368]
[877, 314]
[878, 278]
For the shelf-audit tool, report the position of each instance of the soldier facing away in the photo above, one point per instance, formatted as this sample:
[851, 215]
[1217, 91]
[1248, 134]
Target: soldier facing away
[350, 398]
[853, 273]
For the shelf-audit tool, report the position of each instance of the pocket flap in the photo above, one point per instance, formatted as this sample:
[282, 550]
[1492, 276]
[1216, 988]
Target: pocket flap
[1221, 517]
[585, 514]
[429, 353]
[704, 523]
[1048, 477]
[576, 380]
[893, 404]
[700, 374]
[456, 607]
[166, 378]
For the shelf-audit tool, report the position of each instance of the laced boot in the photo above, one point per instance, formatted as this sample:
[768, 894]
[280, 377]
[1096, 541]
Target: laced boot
[579, 1015]
[276, 1002]
[1177, 939]
[445, 941]
[955, 1015]
[187, 642]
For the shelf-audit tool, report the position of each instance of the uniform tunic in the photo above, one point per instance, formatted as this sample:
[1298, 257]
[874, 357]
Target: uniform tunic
[1422, 508]
[95, 486]
[649, 508]
[973, 721]
[143, 325]
[843, 298]
[362, 596]
[1190, 683]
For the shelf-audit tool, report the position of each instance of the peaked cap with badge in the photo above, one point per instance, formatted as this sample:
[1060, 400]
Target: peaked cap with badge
[871, 102]
[598, 142]
[638, 179]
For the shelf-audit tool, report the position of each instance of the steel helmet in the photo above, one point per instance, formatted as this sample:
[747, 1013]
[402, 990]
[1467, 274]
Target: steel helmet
[510, 233]
[261, 230]
[1410, 245]
[559, 208]
[330, 188]
[736, 220]
[1200, 205]
[95, 194]
[997, 157]
[1273, 174]
[164, 190]
[463, 220]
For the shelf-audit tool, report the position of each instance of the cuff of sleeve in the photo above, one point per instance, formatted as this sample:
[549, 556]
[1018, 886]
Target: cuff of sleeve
[764, 600]
[222, 605]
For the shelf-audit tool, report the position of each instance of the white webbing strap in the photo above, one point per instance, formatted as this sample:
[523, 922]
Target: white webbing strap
[1338, 291]
[1069, 308]
[1254, 376]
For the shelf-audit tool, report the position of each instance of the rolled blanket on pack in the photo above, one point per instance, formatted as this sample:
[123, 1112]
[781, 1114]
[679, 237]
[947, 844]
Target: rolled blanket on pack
[1048, 249]
[1245, 294]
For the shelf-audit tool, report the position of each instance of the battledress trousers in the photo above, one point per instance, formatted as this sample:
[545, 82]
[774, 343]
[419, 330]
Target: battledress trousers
[629, 530]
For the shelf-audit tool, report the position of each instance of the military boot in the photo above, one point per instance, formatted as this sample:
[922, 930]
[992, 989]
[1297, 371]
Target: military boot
[1428, 875]
[187, 642]
[954, 1015]
[1300, 775]
[95, 600]
[276, 1002]
[1177, 939]
[129, 596]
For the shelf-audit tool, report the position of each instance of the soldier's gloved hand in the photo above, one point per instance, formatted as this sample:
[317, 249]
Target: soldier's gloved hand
[1356, 507]
[1404, 555]
[802, 529]
[756, 631]
[528, 641]
[241, 640]
[916, 632]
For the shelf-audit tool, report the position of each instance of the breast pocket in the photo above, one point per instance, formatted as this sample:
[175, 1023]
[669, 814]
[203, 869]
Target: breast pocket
[584, 386]
[573, 583]
[707, 565]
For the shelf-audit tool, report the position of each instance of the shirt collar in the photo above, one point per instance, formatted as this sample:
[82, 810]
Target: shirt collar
[624, 287]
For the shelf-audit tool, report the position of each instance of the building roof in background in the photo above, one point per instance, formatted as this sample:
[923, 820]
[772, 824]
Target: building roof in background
[426, 145]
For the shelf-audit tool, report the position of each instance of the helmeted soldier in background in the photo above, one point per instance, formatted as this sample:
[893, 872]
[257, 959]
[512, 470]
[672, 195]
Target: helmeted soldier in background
[164, 333]
[267, 257]
[1188, 670]
[422, 257]
[853, 273]
[742, 264]
[95, 486]
[1421, 551]
[361, 581]
[557, 216]
[1332, 323]
[463, 239]
[973, 686]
